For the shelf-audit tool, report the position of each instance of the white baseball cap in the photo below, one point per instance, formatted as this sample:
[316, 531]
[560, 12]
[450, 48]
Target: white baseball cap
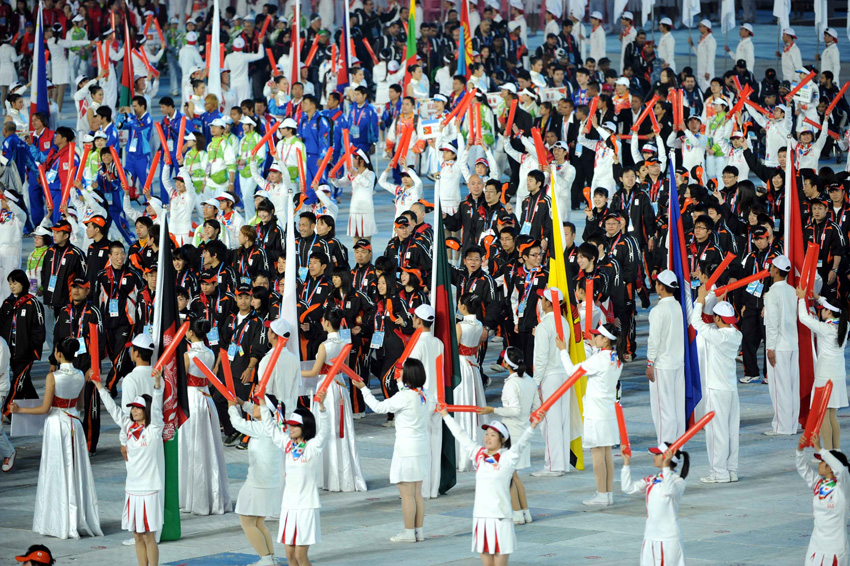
[602, 331]
[289, 123]
[226, 196]
[276, 167]
[596, 15]
[191, 37]
[393, 66]
[425, 312]
[782, 263]
[238, 43]
[143, 341]
[789, 31]
[748, 27]
[294, 419]
[668, 278]
[139, 402]
[661, 449]
[218, 122]
[666, 21]
[78, 18]
[247, 120]
[211, 202]
[547, 294]
[498, 427]
[280, 327]
[509, 87]
[706, 23]
[627, 15]
[832, 32]
[622, 81]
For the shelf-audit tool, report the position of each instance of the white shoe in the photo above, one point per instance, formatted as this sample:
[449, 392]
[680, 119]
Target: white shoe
[711, 479]
[772, 433]
[598, 500]
[546, 474]
[496, 368]
[9, 463]
[733, 476]
[610, 498]
[526, 514]
[519, 518]
[403, 537]
[358, 416]
[129, 542]
[749, 379]
[420, 534]
[267, 560]
[388, 424]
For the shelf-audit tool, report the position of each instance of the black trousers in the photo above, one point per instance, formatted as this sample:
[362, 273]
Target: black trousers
[91, 416]
[21, 385]
[752, 327]
[117, 340]
[243, 391]
[525, 342]
[358, 360]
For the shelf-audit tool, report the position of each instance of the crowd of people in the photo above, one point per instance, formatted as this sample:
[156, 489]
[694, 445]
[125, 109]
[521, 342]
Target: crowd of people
[569, 129]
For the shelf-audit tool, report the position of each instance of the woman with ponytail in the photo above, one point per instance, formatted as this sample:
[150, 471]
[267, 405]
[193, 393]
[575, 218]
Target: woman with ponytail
[600, 419]
[470, 390]
[662, 537]
[831, 331]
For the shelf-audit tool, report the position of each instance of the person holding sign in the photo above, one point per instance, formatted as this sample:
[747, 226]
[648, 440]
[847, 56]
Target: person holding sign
[203, 476]
[141, 433]
[662, 538]
[412, 406]
[600, 419]
[831, 332]
[341, 464]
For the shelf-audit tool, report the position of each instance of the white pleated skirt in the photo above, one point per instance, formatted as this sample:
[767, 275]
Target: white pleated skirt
[599, 433]
[361, 225]
[299, 527]
[410, 468]
[143, 511]
[838, 399]
[258, 501]
[493, 536]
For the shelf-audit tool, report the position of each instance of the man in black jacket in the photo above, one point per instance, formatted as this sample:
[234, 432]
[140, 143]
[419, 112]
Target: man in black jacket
[63, 262]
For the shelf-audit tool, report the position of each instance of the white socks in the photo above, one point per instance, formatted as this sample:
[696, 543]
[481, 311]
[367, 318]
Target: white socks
[420, 533]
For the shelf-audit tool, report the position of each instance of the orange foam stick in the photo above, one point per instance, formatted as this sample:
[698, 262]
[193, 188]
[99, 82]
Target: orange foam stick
[208, 52]
[588, 197]
[802, 83]
[807, 275]
[460, 108]
[730, 257]
[462, 408]
[180, 136]
[278, 348]
[151, 171]
[558, 393]
[82, 167]
[441, 387]
[163, 142]
[559, 324]
[820, 403]
[470, 122]
[741, 282]
[121, 174]
[588, 308]
[647, 109]
[819, 127]
[350, 373]
[654, 121]
[144, 56]
[322, 166]
[270, 55]
[314, 49]
[148, 22]
[540, 148]
[172, 348]
[337, 364]
[370, 51]
[511, 114]
[590, 112]
[476, 117]
[758, 108]
[836, 99]
[159, 31]
[333, 58]
[403, 145]
[630, 137]
[739, 104]
[228, 371]
[625, 445]
[43, 179]
[408, 349]
[340, 163]
[69, 178]
[265, 28]
[94, 351]
[269, 133]
[346, 142]
[675, 104]
[698, 426]
[302, 176]
[213, 380]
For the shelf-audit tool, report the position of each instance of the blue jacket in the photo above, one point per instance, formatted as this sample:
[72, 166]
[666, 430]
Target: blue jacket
[139, 142]
[171, 129]
[15, 150]
[390, 112]
[363, 124]
[112, 139]
[315, 132]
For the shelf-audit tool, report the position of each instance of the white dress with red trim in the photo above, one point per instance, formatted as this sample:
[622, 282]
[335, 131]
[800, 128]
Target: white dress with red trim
[65, 500]
[662, 538]
[203, 472]
[260, 495]
[828, 545]
[492, 514]
[470, 390]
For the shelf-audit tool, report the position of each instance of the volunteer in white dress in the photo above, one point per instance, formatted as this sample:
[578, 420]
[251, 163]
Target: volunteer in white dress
[8, 75]
[519, 399]
[431, 352]
[830, 59]
[706, 52]
[662, 537]
[341, 469]
[493, 535]
[665, 360]
[141, 430]
[300, 521]
[412, 408]
[260, 495]
[745, 50]
[361, 179]
[722, 342]
[60, 70]
[780, 341]
[203, 474]
[470, 390]
[549, 374]
[65, 499]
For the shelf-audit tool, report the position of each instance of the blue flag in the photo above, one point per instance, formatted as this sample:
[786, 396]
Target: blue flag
[677, 261]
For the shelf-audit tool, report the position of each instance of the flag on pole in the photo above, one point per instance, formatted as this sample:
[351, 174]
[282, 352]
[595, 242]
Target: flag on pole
[821, 17]
[727, 15]
[558, 279]
[444, 329]
[38, 100]
[677, 262]
[342, 81]
[464, 48]
[410, 50]
[289, 302]
[795, 251]
[619, 7]
[214, 78]
[175, 409]
[646, 7]
[690, 9]
[126, 92]
[782, 13]
[295, 47]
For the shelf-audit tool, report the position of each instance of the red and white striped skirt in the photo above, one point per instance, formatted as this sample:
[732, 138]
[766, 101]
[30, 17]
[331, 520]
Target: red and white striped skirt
[493, 536]
[142, 512]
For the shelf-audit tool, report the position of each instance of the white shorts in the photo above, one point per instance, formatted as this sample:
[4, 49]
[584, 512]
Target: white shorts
[493, 536]
[299, 527]
[142, 512]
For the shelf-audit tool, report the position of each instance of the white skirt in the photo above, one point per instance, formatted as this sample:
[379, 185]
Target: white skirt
[661, 553]
[258, 501]
[410, 468]
[815, 558]
[470, 391]
[142, 512]
[299, 527]
[600, 433]
[838, 398]
[361, 225]
[493, 536]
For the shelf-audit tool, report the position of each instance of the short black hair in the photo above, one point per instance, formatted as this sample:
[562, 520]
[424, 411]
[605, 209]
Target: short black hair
[311, 218]
[308, 427]
[413, 374]
[104, 112]
[141, 101]
[19, 276]
[217, 249]
[167, 101]
[68, 348]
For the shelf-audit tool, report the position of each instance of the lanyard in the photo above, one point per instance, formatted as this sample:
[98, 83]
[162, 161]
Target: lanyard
[356, 117]
[244, 328]
[53, 271]
[207, 306]
[536, 205]
[313, 243]
[363, 273]
[309, 299]
[401, 254]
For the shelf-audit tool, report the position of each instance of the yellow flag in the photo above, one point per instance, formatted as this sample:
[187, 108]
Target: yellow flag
[558, 278]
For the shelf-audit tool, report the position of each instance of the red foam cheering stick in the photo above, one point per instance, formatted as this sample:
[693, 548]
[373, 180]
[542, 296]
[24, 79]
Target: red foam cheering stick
[180, 135]
[346, 142]
[228, 371]
[151, 171]
[337, 364]
[730, 257]
[322, 166]
[43, 180]
[739, 104]
[807, 274]
[213, 380]
[121, 174]
[540, 148]
[278, 348]
[302, 177]
[836, 99]
[408, 349]
[647, 109]
[625, 445]
[588, 307]
[94, 352]
[69, 177]
[799, 86]
[590, 113]
[559, 324]
[511, 114]
[741, 282]
[313, 49]
[265, 27]
[559, 392]
[269, 133]
[172, 348]
[698, 426]
[163, 143]
[462, 408]
[820, 403]
[81, 169]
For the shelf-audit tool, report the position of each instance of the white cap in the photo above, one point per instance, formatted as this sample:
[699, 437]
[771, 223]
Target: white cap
[498, 427]
[441, 97]
[294, 419]
[276, 167]
[211, 202]
[627, 15]
[189, 137]
[362, 155]
[191, 37]
[737, 134]
[547, 294]
[610, 126]
[280, 327]
[509, 87]
[512, 25]
[695, 117]
[622, 81]
[425, 312]
[78, 18]
[448, 147]
[139, 402]
[781, 263]
[668, 278]
[789, 31]
[41, 231]
[143, 341]
[832, 32]
[517, 4]
[666, 21]
[706, 23]
[781, 107]
[289, 123]
[554, 8]
[238, 43]
[323, 188]
[602, 331]
[748, 27]
[247, 120]
[100, 134]
[226, 196]
[661, 449]
[393, 66]
[174, 20]
[720, 101]
[596, 15]
[825, 304]
[724, 308]
[218, 122]
[79, 79]
[88, 138]
[262, 193]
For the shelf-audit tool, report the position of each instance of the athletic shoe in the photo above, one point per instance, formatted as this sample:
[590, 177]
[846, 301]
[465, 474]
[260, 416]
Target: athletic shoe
[388, 424]
[358, 416]
[519, 518]
[496, 368]
[749, 379]
[403, 537]
[733, 476]
[242, 445]
[610, 498]
[772, 433]
[420, 534]
[546, 474]
[9, 463]
[232, 439]
[598, 500]
[764, 381]
[129, 542]
[526, 514]
[711, 479]
[495, 339]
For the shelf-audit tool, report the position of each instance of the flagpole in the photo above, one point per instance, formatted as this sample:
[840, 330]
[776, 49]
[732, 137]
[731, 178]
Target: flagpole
[778, 41]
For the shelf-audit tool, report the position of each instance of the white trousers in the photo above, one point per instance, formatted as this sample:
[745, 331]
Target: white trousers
[6, 448]
[556, 426]
[431, 484]
[667, 400]
[721, 434]
[661, 553]
[783, 383]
